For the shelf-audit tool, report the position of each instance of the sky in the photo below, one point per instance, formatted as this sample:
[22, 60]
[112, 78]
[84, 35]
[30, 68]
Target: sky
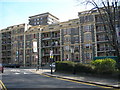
[14, 12]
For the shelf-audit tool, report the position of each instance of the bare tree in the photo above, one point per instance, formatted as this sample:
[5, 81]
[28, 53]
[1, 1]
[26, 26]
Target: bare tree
[109, 13]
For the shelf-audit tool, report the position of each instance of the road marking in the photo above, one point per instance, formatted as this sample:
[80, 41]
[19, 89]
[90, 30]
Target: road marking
[83, 83]
[2, 85]
[15, 70]
[16, 73]
[25, 73]
[75, 81]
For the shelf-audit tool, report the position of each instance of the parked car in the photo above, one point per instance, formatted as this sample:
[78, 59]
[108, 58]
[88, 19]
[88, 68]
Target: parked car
[11, 65]
[52, 65]
[1, 68]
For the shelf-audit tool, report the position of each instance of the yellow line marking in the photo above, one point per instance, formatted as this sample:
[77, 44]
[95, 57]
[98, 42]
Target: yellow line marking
[2, 85]
[73, 81]
[76, 81]
[83, 83]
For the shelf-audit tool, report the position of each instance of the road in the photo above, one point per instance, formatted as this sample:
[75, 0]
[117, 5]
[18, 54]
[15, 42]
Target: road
[23, 78]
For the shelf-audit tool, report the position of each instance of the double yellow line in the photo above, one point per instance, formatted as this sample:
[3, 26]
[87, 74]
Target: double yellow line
[65, 79]
[2, 86]
[78, 82]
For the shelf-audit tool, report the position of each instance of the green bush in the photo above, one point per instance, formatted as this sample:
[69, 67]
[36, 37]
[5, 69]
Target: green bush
[84, 68]
[73, 67]
[64, 66]
[106, 65]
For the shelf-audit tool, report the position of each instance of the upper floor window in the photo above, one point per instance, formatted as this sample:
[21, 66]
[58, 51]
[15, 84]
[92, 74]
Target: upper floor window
[87, 37]
[65, 31]
[76, 49]
[37, 19]
[34, 19]
[87, 28]
[88, 18]
[37, 22]
[76, 39]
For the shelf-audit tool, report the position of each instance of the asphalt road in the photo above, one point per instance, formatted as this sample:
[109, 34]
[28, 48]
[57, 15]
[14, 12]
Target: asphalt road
[22, 78]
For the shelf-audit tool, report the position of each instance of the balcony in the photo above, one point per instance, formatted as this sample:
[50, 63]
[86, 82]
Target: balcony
[102, 40]
[46, 46]
[49, 38]
[46, 38]
[50, 44]
[100, 31]
[47, 54]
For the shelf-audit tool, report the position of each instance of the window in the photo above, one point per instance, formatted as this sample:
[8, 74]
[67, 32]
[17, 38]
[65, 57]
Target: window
[34, 35]
[76, 39]
[21, 30]
[100, 28]
[87, 37]
[76, 49]
[88, 46]
[64, 31]
[37, 22]
[68, 31]
[88, 18]
[41, 18]
[66, 48]
[34, 19]
[21, 37]
[37, 19]
[87, 28]
[67, 39]
[76, 57]
[74, 31]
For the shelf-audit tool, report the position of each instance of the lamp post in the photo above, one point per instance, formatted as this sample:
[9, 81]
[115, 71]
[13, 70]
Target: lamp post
[51, 52]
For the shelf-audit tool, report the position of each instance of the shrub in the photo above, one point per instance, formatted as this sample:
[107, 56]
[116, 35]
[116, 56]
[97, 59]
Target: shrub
[106, 65]
[73, 67]
[84, 68]
[64, 66]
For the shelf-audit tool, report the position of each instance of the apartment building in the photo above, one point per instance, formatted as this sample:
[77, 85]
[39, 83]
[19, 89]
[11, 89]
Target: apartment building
[88, 36]
[6, 45]
[18, 44]
[78, 40]
[94, 35]
[32, 46]
[43, 19]
[13, 44]
[70, 40]
[50, 41]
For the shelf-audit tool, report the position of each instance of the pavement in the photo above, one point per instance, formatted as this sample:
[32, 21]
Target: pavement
[108, 82]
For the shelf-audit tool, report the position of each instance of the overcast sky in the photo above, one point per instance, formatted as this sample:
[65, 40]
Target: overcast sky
[14, 12]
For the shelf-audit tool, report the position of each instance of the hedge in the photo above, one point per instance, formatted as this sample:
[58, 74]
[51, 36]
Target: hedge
[64, 66]
[100, 66]
[106, 65]
[73, 67]
[85, 68]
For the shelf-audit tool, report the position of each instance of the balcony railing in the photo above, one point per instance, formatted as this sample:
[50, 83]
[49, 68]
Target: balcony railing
[55, 54]
[53, 37]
